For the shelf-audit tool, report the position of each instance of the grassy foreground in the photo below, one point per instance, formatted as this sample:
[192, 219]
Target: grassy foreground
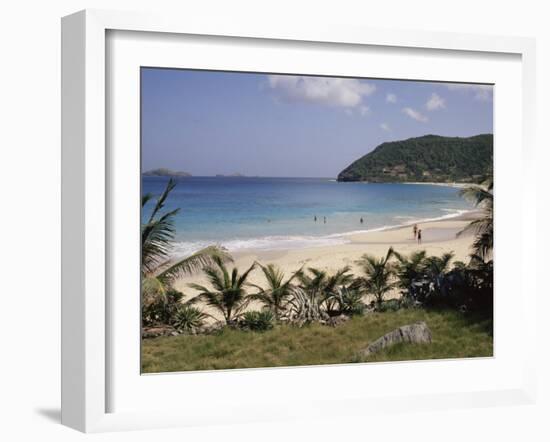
[454, 336]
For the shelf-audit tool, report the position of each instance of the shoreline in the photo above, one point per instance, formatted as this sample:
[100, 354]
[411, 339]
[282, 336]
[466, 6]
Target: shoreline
[462, 215]
[423, 183]
[451, 184]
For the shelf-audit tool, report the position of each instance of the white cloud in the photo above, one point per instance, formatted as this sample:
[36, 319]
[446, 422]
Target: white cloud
[338, 92]
[385, 127]
[415, 115]
[482, 92]
[364, 110]
[435, 102]
[391, 98]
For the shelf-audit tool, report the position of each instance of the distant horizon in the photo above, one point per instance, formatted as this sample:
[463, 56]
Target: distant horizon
[213, 122]
[229, 176]
[243, 175]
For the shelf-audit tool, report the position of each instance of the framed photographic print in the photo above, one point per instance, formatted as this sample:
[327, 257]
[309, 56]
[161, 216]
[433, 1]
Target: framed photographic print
[263, 220]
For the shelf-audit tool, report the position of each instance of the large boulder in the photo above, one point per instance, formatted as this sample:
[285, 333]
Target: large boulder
[417, 333]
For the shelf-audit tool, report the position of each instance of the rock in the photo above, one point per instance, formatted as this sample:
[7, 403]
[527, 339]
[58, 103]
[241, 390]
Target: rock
[337, 320]
[418, 333]
[155, 332]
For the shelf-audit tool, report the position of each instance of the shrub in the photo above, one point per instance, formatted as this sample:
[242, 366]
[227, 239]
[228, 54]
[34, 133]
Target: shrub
[350, 301]
[188, 318]
[257, 321]
[162, 310]
[408, 302]
[391, 305]
[305, 307]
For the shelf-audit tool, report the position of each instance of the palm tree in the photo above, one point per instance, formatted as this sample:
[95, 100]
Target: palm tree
[349, 300]
[482, 196]
[162, 309]
[379, 275]
[315, 288]
[305, 305]
[275, 297]
[481, 272]
[333, 287]
[229, 295]
[410, 268]
[438, 265]
[158, 271]
[436, 269]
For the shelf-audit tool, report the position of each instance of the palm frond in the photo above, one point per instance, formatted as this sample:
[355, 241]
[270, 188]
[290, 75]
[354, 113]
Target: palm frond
[480, 196]
[482, 227]
[199, 288]
[145, 199]
[161, 199]
[152, 291]
[156, 240]
[197, 261]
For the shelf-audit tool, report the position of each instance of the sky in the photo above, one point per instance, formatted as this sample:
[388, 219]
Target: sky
[213, 122]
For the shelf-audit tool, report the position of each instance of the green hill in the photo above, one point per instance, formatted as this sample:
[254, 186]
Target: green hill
[430, 158]
[163, 171]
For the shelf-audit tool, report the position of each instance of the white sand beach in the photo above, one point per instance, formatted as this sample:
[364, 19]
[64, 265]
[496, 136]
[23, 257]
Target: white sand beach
[437, 237]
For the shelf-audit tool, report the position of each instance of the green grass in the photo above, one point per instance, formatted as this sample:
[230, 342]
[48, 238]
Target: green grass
[454, 336]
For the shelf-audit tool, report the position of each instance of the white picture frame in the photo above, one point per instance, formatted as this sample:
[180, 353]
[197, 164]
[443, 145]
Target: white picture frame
[86, 317]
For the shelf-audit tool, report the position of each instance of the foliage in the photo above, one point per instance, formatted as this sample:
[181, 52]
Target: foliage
[257, 321]
[276, 295]
[391, 305]
[161, 310]
[152, 292]
[315, 296]
[228, 294]
[349, 301]
[157, 233]
[482, 196]
[436, 267]
[332, 287]
[379, 275]
[460, 286]
[470, 287]
[429, 158]
[188, 318]
[410, 268]
[306, 306]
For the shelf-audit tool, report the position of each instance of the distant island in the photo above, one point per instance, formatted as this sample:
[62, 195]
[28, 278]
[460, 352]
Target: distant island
[430, 158]
[232, 175]
[162, 171]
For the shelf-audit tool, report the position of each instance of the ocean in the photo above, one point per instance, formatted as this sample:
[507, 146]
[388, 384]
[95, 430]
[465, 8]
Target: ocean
[279, 213]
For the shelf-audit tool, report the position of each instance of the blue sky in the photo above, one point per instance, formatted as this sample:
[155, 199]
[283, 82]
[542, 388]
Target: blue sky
[209, 123]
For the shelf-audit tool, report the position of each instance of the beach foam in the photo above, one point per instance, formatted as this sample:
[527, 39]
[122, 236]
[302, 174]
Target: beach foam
[182, 249]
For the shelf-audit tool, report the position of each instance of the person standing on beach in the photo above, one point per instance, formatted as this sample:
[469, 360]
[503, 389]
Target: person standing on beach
[419, 236]
[415, 229]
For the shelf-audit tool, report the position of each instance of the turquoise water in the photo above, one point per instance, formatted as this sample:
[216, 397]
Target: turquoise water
[278, 213]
